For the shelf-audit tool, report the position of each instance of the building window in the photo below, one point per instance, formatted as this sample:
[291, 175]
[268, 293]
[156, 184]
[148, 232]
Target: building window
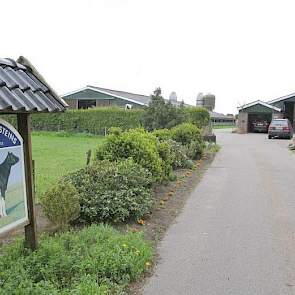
[86, 104]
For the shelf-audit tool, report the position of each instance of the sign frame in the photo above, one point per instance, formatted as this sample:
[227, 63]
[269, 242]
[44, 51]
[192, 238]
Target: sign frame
[23, 221]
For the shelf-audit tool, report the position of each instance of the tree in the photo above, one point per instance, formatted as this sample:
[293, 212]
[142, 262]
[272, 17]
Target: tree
[160, 114]
[199, 116]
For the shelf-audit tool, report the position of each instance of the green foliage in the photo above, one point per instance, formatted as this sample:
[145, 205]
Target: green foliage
[95, 121]
[189, 135]
[137, 144]
[167, 155]
[163, 134]
[115, 130]
[179, 155]
[198, 116]
[95, 260]
[189, 164]
[113, 191]
[195, 149]
[61, 204]
[160, 114]
[186, 133]
[213, 148]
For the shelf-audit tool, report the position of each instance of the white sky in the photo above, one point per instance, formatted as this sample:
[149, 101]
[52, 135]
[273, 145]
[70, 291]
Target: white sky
[238, 50]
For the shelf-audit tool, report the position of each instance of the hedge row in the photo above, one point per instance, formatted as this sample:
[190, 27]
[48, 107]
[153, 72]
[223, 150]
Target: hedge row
[95, 121]
[117, 186]
[100, 120]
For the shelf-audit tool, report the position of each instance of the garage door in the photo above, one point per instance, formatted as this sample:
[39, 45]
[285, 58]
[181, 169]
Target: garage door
[258, 121]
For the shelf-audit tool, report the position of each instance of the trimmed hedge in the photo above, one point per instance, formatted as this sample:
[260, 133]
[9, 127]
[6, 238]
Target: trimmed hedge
[95, 121]
[100, 120]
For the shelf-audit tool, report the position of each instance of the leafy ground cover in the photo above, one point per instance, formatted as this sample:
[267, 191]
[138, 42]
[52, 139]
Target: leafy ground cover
[95, 260]
[59, 153]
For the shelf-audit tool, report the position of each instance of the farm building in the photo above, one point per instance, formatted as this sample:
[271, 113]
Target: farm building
[282, 107]
[221, 119]
[91, 96]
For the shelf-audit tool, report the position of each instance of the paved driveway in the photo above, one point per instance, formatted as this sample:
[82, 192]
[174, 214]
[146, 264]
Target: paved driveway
[236, 234]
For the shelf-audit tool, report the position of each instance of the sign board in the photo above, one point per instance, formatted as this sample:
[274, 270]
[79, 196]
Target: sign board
[13, 200]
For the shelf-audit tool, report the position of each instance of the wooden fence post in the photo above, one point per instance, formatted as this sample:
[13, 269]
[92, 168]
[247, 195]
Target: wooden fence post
[24, 128]
[88, 157]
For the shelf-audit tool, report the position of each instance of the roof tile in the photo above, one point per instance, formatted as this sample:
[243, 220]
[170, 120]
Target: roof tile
[23, 89]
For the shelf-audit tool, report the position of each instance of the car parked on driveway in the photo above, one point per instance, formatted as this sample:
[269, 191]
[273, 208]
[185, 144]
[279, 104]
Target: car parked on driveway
[260, 126]
[280, 128]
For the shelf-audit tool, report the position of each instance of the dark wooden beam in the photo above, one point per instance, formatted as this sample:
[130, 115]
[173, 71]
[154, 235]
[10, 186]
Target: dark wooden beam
[24, 128]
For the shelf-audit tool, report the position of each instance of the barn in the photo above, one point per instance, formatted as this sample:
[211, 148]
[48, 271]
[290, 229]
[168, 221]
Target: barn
[91, 96]
[256, 111]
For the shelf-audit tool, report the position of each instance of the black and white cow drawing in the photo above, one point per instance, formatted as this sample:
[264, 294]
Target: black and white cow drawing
[5, 169]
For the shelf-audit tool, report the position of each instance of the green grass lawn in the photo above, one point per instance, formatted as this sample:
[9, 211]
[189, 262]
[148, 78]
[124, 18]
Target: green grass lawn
[57, 154]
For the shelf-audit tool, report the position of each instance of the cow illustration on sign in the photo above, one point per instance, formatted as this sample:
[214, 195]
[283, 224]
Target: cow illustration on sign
[5, 169]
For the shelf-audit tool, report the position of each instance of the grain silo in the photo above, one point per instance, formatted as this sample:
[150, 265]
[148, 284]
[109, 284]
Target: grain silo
[209, 101]
[200, 100]
[173, 97]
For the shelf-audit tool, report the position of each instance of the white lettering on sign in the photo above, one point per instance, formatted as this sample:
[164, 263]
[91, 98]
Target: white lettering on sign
[8, 134]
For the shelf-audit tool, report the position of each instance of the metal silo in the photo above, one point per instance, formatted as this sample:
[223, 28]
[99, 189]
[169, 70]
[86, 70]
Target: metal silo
[209, 101]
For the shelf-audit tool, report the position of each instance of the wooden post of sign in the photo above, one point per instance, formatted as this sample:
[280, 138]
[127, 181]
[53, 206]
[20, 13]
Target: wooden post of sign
[24, 128]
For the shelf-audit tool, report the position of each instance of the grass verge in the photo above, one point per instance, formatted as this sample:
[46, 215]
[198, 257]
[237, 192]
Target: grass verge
[94, 260]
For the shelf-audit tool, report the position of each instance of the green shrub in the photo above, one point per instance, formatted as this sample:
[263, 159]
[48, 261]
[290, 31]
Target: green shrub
[186, 133]
[198, 116]
[61, 204]
[163, 134]
[137, 144]
[167, 155]
[195, 149]
[190, 137]
[179, 155]
[189, 164]
[115, 130]
[95, 260]
[113, 191]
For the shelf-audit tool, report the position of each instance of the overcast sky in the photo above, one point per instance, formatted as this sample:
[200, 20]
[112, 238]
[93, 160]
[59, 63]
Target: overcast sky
[238, 50]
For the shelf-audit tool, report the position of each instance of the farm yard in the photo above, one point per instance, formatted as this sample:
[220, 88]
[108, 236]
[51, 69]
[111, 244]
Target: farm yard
[58, 153]
[112, 211]
[147, 148]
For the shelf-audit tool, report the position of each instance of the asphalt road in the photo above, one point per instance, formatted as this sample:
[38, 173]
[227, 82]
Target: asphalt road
[236, 234]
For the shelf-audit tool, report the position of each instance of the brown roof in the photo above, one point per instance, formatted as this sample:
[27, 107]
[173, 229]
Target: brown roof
[23, 89]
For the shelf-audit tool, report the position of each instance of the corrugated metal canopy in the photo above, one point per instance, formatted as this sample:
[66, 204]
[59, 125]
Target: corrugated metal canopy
[23, 89]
